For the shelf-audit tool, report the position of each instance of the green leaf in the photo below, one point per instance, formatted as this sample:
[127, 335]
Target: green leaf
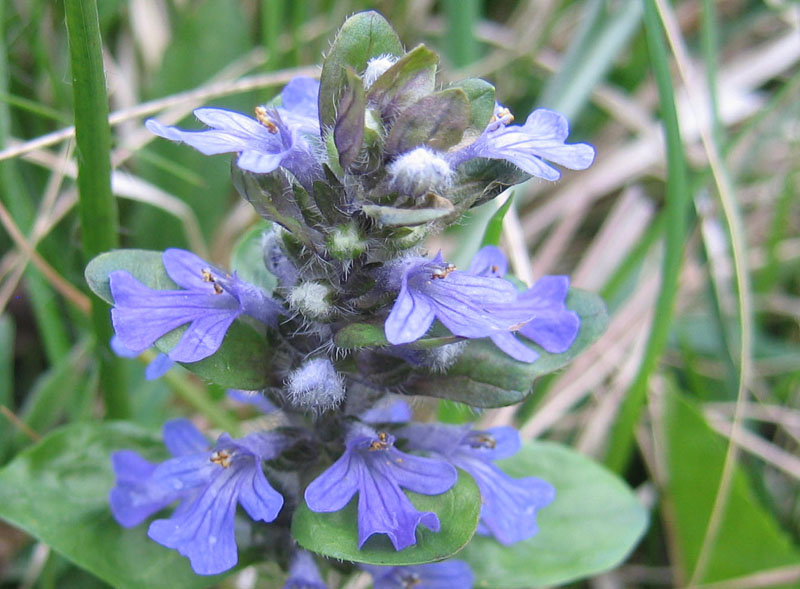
[592, 525]
[480, 94]
[369, 335]
[144, 265]
[242, 361]
[409, 79]
[748, 539]
[247, 258]
[438, 120]
[438, 208]
[494, 228]
[336, 534]
[485, 376]
[272, 196]
[57, 491]
[348, 133]
[363, 36]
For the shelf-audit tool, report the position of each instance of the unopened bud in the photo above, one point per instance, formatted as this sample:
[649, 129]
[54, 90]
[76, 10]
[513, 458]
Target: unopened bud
[376, 67]
[311, 299]
[345, 242]
[316, 385]
[419, 172]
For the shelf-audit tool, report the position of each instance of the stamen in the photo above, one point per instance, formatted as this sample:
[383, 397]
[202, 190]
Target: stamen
[207, 276]
[263, 118]
[218, 289]
[411, 581]
[483, 441]
[380, 444]
[443, 272]
[495, 269]
[222, 457]
[502, 115]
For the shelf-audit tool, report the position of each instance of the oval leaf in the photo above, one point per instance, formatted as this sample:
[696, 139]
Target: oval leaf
[242, 361]
[485, 376]
[363, 36]
[480, 94]
[57, 491]
[336, 534]
[592, 525]
[438, 120]
[409, 79]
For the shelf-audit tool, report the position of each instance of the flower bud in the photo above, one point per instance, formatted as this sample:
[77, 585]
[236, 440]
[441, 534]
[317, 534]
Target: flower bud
[419, 172]
[376, 67]
[345, 242]
[316, 385]
[311, 299]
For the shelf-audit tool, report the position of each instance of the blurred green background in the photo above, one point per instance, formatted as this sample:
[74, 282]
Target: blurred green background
[687, 224]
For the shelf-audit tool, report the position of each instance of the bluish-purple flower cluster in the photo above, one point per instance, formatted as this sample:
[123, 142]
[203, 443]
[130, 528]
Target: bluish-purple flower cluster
[349, 201]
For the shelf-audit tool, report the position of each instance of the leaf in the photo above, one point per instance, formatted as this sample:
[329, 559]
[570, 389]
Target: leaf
[480, 94]
[592, 525]
[748, 540]
[438, 121]
[247, 258]
[336, 534]
[367, 335]
[57, 491]
[438, 208]
[272, 196]
[363, 36]
[485, 376]
[348, 133]
[409, 79]
[242, 361]
[494, 228]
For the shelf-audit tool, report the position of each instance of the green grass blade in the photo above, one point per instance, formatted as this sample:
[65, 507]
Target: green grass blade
[97, 207]
[590, 56]
[677, 198]
[462, 16]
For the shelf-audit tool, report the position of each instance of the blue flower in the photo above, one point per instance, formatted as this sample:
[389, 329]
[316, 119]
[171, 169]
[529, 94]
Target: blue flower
[479, 303]
[282, 136]
[372, 467]
[202, 527]
[210, 303]
[449, 574]
[530, 146]
[136, 494]
[433, 289]
[303, 573]
[509, 506]
[549, 323]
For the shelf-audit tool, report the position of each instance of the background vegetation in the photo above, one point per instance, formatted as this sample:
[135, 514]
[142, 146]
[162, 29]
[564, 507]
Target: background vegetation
[687, 224]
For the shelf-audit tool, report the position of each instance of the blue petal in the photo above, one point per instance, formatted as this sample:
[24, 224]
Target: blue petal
[259, 499]
[203, 529]
[303, 573]
[204, 336]
[509, 505]
[514, 348]
[410, 317]
[136, 495]
[182, 438]
[489, 261]
[187, 270]
[334, 488]
[158, 367]
[384, 509]
[449, 574]
[300, 96]
[387, 410]
[415, 473]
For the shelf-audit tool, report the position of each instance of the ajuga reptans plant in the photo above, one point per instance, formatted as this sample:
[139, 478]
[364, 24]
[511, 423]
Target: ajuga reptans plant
[354, 319]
